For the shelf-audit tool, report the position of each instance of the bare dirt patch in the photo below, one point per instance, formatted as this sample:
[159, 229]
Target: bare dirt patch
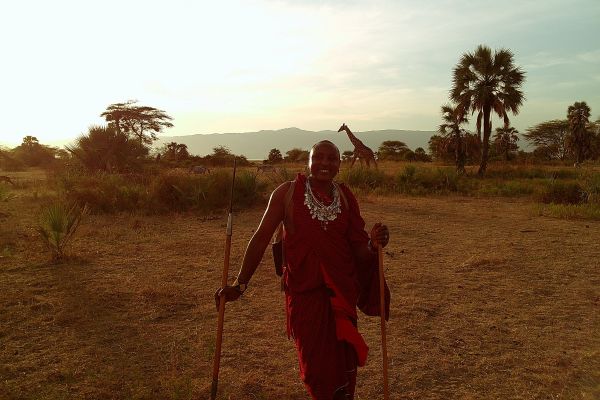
[489, 301]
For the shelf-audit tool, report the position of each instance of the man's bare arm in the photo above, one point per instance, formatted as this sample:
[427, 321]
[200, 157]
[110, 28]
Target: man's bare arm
[260, 240]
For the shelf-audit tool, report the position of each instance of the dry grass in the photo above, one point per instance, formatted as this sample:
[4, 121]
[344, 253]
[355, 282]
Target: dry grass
[490, 301]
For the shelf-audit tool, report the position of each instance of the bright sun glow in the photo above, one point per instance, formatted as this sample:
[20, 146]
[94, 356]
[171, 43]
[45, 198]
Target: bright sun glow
[249, 65]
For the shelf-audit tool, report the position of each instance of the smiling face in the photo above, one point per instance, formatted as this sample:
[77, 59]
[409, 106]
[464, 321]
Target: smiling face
[324, 161]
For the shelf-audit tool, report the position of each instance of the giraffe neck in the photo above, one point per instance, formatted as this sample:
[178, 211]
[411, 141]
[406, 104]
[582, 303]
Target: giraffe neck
[355, 141]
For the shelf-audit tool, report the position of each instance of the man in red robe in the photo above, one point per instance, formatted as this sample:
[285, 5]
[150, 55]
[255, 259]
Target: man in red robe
[330, 270]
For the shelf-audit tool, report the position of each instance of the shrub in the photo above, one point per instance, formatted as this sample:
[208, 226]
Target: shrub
[365, 178]
[57, 226]
[592, 187]
[413, 180]
[562, 193]
[104, 192]
[203, 193]
[248, 189]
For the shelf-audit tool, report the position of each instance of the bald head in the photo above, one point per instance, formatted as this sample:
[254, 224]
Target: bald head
[325, 143]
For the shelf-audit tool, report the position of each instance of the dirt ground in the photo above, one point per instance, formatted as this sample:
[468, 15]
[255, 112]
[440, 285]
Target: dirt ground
[489, 301]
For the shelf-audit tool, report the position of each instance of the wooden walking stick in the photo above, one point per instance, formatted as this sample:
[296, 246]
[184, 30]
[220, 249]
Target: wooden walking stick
[386, 391]
[217, 360]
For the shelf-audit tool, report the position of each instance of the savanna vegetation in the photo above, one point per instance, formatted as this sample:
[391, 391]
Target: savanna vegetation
[110, 251]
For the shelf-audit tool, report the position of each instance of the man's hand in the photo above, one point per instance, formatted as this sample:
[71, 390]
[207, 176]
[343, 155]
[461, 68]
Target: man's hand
[380, 235]
[229, 293]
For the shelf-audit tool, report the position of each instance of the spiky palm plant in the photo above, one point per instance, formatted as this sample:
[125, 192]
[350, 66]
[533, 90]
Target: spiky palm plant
[103, 148]
[453, 134]
[579, 116]
[486, 83]
[57, 226]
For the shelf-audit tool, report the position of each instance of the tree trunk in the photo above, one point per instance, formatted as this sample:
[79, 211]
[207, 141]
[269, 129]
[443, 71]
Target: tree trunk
[459, 155]
[487, 131]
[579, 149]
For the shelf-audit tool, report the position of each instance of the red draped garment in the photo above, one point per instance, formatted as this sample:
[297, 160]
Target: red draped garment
[324, 284]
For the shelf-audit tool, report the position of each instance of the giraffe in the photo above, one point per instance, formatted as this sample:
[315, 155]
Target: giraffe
[360, 150]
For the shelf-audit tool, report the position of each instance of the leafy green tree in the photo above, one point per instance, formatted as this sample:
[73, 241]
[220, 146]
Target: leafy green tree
[578, 116]
[393, 150]
[296, 155]
[103, 148]
[551, 139]
[275, 156]
[453, 134]
[142, 122]
[505, 140]
[486, 83]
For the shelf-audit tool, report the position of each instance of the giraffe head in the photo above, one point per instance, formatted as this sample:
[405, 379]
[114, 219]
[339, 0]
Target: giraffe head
[343, 127]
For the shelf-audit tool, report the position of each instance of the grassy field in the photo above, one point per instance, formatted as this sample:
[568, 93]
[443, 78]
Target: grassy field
[491, 299]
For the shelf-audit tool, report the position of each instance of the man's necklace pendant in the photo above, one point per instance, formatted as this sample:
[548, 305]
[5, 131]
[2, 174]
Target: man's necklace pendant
[319, 211]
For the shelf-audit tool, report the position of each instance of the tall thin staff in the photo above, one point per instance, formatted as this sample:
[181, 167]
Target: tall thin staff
[217, 360]
[386, 390]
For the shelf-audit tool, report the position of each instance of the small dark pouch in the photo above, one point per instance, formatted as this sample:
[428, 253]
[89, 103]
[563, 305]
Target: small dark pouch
[277, 244]
[277, 248]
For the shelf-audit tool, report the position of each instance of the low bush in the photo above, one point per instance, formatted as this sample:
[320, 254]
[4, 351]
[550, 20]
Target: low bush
[365, 178]
[163, 193]
[562, 193]
[591, 184]
[103, 192]
[421, 181]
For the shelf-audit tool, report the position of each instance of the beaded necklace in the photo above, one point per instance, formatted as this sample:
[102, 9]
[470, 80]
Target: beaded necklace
[320, 211]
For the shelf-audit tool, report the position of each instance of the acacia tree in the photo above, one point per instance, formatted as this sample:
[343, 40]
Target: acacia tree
[392, 150]
[579, 116]
[142, 122]
[453, 135]
[550, 139]
[486, 83]
[506, 140]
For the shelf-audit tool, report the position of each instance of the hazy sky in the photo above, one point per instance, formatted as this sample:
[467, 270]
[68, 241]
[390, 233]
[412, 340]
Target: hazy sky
[234, 66]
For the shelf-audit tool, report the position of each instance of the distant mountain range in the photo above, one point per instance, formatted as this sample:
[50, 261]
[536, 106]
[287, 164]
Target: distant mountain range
[256, 145]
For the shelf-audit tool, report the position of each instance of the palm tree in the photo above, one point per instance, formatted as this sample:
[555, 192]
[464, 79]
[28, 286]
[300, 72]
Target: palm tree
[453, 134]
[103, 148]
[506, 140]
[579, 116]
[486, 83]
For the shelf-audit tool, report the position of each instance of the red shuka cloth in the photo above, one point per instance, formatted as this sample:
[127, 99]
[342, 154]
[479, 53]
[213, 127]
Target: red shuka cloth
[324, 284]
